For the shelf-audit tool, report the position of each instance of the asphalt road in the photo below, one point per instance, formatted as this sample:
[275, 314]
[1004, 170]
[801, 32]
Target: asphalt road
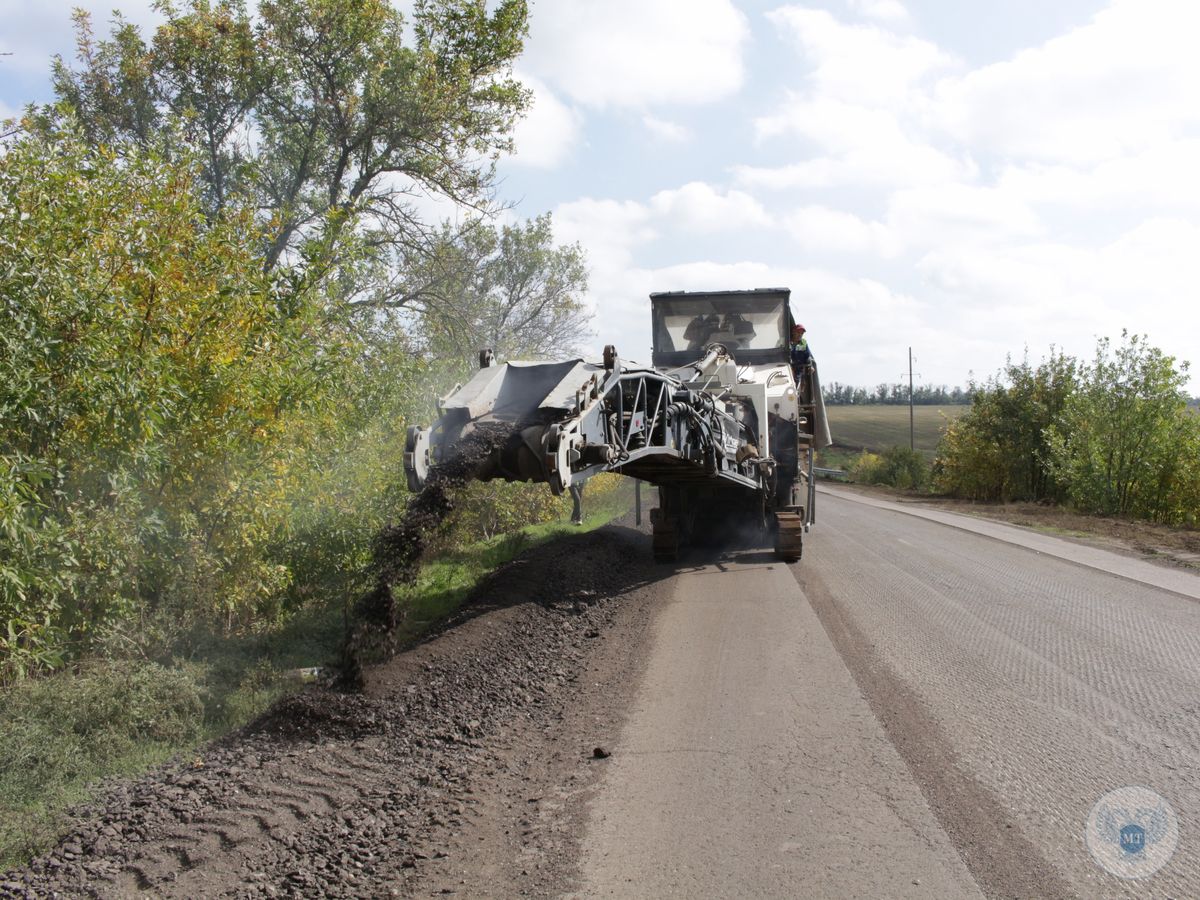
[926, 706]
[915, 709]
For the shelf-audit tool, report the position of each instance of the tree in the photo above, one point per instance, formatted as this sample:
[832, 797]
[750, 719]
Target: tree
[1123, 441]
[163, 402]
[510, 289]
[319, 109]
[837, 393]
[998, 449]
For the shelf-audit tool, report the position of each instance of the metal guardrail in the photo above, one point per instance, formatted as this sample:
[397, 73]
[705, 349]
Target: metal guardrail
[829, 473]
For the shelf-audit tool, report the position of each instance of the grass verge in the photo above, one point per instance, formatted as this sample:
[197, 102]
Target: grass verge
[445, 582]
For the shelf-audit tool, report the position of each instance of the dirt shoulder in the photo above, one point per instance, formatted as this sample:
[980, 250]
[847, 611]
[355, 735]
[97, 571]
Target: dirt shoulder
[459, 768]
[1174, 547]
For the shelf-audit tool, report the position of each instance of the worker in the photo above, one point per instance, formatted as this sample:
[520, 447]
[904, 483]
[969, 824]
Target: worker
[801, 355]
[700, 331]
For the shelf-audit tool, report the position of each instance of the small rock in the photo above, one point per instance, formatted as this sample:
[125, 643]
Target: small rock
[601, 753]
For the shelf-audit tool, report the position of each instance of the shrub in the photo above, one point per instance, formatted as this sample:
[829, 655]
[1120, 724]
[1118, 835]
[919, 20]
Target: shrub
[899, 467]
[170, 414]
[998, 449]
[1125, 443]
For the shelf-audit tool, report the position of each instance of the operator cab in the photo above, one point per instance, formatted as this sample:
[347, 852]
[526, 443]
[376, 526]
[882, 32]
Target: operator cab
[752, 325]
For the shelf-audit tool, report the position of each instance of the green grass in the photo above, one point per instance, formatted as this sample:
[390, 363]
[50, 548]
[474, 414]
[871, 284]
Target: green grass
[877, 426]
[60, 735]
[444, 583]
[836, 457]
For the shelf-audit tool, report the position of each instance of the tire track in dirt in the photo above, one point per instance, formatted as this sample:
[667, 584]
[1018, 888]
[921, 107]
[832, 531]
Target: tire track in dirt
[376, 794]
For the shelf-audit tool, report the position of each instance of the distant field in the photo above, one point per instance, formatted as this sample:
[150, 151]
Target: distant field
[874, 427]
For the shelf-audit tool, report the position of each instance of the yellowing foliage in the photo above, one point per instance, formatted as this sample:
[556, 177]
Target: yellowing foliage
[162, 399]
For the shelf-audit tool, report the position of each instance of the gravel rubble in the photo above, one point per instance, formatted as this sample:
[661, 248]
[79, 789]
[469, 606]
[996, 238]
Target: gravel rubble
[340, 794]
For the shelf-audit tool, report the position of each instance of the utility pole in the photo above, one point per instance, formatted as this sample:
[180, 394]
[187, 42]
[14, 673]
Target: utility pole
[912, 432]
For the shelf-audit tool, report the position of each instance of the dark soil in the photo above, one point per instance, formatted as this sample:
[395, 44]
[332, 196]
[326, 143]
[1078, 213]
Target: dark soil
[334, 794]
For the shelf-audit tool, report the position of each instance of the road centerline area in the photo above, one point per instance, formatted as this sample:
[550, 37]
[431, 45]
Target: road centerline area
[751, 764]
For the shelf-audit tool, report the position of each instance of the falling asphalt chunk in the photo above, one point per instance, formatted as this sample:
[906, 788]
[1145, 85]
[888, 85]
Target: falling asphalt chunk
[399, 548]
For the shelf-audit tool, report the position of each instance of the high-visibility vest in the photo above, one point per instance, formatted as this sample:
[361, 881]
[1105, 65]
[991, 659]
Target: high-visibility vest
[800, 355]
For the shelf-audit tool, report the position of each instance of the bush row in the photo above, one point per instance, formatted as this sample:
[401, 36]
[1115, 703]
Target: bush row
[1113, 436]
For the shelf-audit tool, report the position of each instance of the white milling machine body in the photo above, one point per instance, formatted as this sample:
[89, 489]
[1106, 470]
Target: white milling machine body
[718, 424]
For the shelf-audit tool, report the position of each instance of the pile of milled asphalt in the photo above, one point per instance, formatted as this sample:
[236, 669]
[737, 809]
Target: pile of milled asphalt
[342, 794]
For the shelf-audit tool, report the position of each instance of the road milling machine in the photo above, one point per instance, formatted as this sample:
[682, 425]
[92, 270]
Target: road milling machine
[719, 423]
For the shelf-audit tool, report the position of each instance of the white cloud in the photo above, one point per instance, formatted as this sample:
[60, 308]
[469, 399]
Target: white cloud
[639, 53]
[1156, 262]
[618, 234]
[884, 10]
[1041, 293]
[699, 207]
[823, 230]
[34, 32]
[666, 131]
[1049, 198]
[612, 230]
[549, 131]
[861, 105]
[1124, 83]
[1162, 177]
[857, 146]
[620, 237]
[859, 63]
[958, 213]
[609, 229]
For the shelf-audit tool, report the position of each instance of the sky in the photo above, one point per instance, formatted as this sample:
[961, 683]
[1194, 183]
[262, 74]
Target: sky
[972, 179]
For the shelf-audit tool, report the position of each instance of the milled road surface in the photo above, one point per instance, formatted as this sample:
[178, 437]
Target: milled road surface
[751, 765]
[1040, 682]
[1011, 686]
[1013, 682]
